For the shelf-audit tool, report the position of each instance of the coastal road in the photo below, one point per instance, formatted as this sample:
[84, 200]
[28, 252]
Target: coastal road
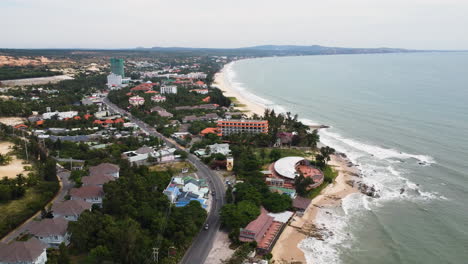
[203, 242]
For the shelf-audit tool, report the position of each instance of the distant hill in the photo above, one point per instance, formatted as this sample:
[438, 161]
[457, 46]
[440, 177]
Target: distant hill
[281, 50]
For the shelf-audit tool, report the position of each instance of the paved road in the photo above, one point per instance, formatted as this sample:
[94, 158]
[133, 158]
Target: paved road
[203, 242]
[65, 186]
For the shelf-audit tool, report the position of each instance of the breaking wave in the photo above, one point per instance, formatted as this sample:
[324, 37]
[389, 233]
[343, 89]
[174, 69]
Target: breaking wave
[379, 166]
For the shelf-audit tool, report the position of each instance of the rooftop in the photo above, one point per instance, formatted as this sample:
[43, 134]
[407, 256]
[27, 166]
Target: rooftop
[49, 227]
[286, 167]
[21, 252]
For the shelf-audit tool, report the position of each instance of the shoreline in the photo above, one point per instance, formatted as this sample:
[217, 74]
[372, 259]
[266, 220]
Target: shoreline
[250, 108]
[286, 249]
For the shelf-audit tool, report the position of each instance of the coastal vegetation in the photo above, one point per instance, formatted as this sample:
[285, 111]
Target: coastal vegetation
[17, 72]
[23, 196]
[136, 216]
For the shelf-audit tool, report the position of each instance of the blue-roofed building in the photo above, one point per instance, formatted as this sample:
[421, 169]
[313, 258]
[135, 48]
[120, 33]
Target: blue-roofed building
[172, 192]
[179, 194]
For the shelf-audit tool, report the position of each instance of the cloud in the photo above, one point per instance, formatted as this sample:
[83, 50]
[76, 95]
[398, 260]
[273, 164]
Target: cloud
[421, 24]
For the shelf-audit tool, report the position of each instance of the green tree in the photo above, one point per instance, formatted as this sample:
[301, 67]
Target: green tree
[275, 154]
[275, 202]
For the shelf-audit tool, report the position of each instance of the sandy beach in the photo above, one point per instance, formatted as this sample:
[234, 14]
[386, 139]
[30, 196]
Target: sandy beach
[16, 165]
[242, 103]
[286, 249]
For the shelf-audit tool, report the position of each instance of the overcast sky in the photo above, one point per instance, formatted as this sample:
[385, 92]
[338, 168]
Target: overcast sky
[417, 24]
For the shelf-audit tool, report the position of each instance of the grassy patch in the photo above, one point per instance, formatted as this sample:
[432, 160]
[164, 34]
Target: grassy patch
[16, 211]
[285, 152]
[330, 175]
[174, 166]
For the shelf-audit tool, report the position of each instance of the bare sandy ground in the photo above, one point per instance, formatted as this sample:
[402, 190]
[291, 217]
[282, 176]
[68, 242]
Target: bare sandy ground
[246, 106]
[15, 167]
[23, 61]
[33, 81]
[286, 249]
[12, 121]
[220, 250]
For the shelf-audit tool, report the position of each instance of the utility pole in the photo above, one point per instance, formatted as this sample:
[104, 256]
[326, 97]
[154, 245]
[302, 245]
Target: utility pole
[155, 254]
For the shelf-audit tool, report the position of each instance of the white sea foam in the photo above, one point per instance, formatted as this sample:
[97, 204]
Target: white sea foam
[379, 168]
[233, 81]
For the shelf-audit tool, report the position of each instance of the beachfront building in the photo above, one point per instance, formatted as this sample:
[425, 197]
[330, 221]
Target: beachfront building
[284, 171]
[32, 251]
[169, 89]
[265, 229]
[234, 126]
[136, 100]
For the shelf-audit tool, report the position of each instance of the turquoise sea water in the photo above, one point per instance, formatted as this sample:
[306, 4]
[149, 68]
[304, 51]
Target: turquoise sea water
[404, 119]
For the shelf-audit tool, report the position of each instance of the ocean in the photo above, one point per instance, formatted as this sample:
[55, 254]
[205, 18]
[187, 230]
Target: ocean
[403, 119]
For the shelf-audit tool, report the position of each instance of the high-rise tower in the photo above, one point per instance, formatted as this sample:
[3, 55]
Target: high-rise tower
[117, 66]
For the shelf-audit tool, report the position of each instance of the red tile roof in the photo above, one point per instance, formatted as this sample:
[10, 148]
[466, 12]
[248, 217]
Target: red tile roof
[87, 116]
[208, 130]
[143, 87]
[206, 99]
[258, 226]
[20, 126]
[77, 117]
[39, 122]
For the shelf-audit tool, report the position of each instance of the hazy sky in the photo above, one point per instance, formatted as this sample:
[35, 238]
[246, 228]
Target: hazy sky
[419, 24]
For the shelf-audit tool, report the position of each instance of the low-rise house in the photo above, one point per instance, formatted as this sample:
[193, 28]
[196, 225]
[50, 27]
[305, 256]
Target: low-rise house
[143, 87]
[158, 98]
[105, 168]
[219, 149]
[182, 190]
[92, 194]
[161, 111]
[52, 231]
[136, 100]
[97, 180]
[172, 192]
[209, 130]
[141, 155]
[200, 91]
[71, 209]
[32, 251]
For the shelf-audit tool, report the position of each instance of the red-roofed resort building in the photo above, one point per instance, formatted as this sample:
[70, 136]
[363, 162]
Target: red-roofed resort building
[284, 171]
